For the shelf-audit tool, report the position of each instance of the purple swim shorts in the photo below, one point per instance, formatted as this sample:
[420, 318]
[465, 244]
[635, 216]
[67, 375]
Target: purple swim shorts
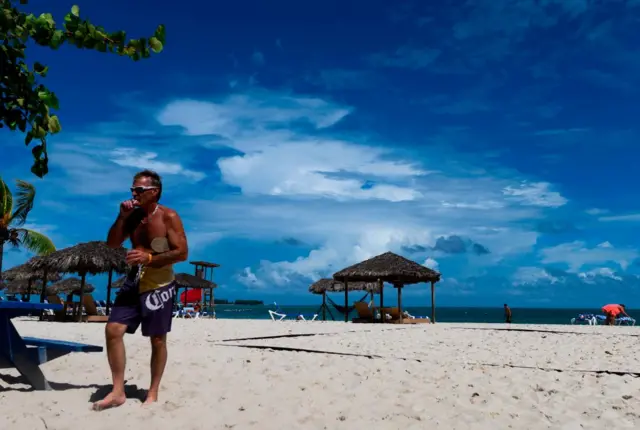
[153, 309]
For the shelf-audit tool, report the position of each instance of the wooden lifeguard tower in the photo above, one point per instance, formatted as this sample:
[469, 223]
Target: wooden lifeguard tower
[204, 270]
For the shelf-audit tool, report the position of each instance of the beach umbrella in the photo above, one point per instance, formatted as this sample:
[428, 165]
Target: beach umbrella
[69, 286]
[394, 269]
[31, 278]
[186, 281]
[191, 296]
[84, 258]
[24, 272]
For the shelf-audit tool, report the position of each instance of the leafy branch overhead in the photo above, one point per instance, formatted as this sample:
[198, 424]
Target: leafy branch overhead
[25, 103]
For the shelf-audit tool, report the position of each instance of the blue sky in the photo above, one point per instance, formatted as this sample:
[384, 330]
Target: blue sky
[493, 140]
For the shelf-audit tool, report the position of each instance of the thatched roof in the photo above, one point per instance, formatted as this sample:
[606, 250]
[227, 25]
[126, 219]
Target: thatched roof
[89, 257]
[332, 286]
[388, 267]
[192, 281]
[20, 287]
[24, 272]
[69, 286]
[184, 280]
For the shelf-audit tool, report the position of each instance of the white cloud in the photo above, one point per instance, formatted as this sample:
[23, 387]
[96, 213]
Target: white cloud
[532, 276]
[596, 211]
[622, 218]
[591, 276]
[431, 263]
[351, 197]
[577, 255]
[535, 194]
[276, 160]
[130, 157]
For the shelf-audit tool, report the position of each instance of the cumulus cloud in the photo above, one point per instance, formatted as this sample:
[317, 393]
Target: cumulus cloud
[350, 195]
[535, 194]
[577, 255]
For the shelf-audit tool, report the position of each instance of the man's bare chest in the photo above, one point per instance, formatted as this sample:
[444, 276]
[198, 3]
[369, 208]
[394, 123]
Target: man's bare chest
[144, 233]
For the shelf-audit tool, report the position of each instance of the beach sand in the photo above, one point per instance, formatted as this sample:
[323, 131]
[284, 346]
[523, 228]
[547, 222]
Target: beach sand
[443, 376]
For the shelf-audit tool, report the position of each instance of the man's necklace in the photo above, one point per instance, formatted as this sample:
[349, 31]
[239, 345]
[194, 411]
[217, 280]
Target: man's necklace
[146, 220]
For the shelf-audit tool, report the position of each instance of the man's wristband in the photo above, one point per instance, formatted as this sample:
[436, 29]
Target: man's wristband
[150, 259]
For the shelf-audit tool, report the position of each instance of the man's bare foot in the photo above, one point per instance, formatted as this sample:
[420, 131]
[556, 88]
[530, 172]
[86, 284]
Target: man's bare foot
[151, 398]
[111, 401]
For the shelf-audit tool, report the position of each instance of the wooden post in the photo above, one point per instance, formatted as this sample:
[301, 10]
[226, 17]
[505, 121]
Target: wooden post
[81, 307]
[433, 302]
[109, 291]
[43, 292]
[324, 306]
[382, 318]
[346, 301]
[399, 287]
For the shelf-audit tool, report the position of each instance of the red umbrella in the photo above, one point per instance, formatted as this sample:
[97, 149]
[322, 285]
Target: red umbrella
[192, 296]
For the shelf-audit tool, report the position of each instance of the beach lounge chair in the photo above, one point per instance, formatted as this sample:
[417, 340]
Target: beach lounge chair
[625, 321]
[92, 311]
[277, 315]
[59, 316]
[585, 318]
[365, 313]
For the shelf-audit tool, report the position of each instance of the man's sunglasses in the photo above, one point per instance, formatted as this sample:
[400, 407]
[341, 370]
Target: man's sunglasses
[140, 190]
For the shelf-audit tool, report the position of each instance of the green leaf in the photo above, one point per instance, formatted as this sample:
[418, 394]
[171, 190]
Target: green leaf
[24, 199]
[75, 10]
[156, 45]
[40, 69]
[54, 124]
[35, 242]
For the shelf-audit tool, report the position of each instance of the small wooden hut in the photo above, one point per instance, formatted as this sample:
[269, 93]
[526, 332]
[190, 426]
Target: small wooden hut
[391, 268]
[328, 285]
[84, 258]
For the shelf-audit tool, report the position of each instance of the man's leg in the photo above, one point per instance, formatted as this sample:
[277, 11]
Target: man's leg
[157, 316]
[114, 333]
[158, 363]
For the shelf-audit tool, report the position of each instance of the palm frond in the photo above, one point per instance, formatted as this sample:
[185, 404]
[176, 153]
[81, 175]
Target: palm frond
[6, 204]
[35, 242]
[25, 196]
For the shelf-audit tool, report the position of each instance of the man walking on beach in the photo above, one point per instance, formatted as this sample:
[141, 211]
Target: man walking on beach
[507, 314]
[146, 297]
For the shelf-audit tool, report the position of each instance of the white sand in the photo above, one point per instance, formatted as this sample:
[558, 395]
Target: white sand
[461, 381]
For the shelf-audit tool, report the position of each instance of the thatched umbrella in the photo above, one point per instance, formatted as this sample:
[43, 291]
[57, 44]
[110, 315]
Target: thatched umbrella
[327, 285]
[25, 288]
[24, 274]
[70, 286]
[391, 268]
[84, 258]
[186, 281]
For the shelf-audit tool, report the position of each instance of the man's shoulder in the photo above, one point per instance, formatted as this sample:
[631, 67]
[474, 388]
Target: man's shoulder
[169, 213]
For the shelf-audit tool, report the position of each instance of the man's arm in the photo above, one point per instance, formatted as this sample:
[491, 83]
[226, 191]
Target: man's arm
[177, 242]
[117, 233]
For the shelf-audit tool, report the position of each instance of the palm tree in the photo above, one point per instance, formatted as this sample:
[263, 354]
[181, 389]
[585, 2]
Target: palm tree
[13, 215]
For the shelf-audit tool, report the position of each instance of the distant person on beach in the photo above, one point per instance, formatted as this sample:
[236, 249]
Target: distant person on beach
[507, 314]
[147, 295]
[612, 312]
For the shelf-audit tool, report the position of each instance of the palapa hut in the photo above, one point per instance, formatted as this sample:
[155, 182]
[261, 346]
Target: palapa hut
[328, 285]
[84, 258]
[394, 269]
[25, 280]
[69, 286]
[186, 281]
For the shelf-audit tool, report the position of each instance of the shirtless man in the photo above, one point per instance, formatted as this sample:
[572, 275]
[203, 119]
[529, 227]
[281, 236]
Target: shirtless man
[146, 298]
[507, 314]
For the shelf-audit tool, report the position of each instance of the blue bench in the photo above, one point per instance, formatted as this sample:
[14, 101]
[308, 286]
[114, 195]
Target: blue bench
[26, 354]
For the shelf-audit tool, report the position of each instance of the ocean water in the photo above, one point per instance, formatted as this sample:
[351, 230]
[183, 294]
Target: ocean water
[443, 314]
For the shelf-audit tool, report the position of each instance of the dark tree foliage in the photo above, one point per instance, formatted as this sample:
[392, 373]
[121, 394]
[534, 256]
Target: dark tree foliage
[25, 103]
